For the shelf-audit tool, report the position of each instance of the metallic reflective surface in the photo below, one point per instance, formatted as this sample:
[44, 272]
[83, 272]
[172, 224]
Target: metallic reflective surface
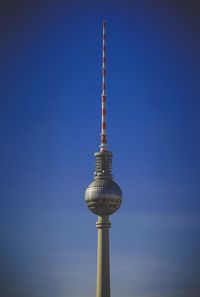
[103, 196]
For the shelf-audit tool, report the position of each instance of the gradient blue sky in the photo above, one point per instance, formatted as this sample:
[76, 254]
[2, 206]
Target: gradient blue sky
[50, 124]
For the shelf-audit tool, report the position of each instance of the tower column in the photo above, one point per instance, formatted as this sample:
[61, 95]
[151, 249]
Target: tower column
[103, 257]
[103, 196]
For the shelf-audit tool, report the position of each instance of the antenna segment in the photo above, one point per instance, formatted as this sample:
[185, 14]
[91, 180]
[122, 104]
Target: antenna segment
[103, 145]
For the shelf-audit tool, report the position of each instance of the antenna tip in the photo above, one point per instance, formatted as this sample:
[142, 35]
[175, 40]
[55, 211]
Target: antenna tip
[104, 23]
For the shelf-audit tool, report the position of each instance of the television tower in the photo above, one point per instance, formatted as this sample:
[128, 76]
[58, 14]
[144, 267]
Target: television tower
[103, 196]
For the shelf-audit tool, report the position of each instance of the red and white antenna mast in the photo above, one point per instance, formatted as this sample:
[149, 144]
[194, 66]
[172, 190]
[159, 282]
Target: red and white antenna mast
[103, 145]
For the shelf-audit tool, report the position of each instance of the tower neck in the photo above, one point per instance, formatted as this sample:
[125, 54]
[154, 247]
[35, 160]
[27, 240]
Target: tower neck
[103, 145]
[103, 165]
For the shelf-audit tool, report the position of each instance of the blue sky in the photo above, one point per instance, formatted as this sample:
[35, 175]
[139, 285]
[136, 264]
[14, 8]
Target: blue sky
[53, 253]
[50, 124]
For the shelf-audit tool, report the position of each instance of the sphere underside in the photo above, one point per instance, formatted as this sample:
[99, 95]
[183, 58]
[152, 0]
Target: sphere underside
[103, 197]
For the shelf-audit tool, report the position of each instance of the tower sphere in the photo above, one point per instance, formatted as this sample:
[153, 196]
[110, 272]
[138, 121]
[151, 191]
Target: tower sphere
[103, 196]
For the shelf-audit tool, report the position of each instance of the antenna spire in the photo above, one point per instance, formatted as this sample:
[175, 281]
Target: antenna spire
[103, 145]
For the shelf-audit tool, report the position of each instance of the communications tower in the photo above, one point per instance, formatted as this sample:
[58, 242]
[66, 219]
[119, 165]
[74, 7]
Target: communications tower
[103, 196]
